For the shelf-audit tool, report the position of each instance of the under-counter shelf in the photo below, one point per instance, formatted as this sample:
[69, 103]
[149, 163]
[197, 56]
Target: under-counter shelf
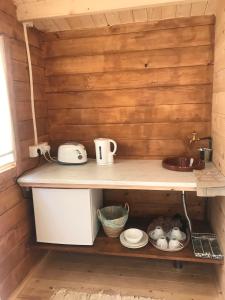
[109, 246]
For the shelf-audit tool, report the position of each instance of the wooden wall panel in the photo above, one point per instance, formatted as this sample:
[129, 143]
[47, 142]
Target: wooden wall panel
[138, 41]
[128, 28]
[16, 216]
[131, 79]
[217, 207]
[146, 86]
[163, 58]
[156, 203]
[199, 94]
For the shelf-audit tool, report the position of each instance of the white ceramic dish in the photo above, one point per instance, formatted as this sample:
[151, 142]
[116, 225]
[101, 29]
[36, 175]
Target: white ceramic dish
[183, 236]
[143, 242]
[133, 235]
[151, 234]
[167, 249]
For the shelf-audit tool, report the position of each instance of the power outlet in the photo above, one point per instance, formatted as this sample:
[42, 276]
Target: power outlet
[40, 148]
[44, 147]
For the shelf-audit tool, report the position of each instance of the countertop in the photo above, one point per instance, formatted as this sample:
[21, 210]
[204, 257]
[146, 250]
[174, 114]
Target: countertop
[123, 174]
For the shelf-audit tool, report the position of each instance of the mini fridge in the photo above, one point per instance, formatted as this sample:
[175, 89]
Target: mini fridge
[66, 216]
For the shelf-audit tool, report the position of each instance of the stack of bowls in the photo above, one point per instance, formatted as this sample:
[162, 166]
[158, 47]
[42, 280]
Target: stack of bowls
[134, 238]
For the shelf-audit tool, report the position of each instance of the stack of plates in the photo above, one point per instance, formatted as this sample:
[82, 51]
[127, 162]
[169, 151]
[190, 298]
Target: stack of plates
[143, 242]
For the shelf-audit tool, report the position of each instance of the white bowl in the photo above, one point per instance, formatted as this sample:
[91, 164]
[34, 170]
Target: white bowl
[133, 235]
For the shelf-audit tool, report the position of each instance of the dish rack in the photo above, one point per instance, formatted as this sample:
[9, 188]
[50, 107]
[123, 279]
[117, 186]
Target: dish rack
[205, 245]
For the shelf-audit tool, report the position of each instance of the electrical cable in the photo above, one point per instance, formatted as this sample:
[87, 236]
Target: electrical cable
[185, 210]
[54, 159]
[31, 84]
[46, 158]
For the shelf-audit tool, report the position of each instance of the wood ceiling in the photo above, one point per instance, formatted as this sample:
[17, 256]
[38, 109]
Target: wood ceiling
[36, 11]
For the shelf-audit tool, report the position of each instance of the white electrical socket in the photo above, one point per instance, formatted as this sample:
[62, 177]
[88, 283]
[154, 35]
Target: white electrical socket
[33, 151]
[42, 147]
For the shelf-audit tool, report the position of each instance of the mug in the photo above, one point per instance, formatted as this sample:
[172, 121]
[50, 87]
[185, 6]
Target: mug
[157, 233]
[162, 243]
[176, 233]
[174, 244]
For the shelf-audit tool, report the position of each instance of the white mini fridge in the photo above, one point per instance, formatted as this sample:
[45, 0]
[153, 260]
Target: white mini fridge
[66, 216]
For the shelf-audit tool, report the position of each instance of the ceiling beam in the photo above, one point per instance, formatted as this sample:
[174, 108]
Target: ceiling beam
[60, 8]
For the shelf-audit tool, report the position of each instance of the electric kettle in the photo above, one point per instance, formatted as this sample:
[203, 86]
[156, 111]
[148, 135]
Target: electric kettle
[104, 155]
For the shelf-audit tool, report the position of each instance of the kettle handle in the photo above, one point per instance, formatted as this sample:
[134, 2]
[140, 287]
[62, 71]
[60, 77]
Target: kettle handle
[115, 146]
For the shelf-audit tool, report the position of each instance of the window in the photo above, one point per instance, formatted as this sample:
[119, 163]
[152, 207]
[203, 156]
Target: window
[7, 154]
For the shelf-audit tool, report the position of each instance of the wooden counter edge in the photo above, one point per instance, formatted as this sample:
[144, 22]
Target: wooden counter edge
[105, 186]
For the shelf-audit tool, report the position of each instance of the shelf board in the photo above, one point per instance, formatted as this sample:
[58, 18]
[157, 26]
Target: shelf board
[110, 246]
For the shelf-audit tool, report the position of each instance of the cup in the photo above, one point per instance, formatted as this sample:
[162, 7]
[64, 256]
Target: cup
[176, 233]
[174, 244]
[205, 154]
[162, 243]
[157, 233]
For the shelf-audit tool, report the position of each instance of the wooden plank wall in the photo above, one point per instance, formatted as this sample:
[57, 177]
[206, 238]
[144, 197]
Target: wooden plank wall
[124, 16]
[149, 204]
[16, 217]
[148, 86]
[217, 207]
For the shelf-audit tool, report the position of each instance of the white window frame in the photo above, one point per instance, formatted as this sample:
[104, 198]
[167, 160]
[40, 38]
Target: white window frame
[9, 156]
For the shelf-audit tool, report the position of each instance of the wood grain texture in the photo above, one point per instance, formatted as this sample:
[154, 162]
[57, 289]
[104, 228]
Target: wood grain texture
[130, 28]
[48, 10]
[131, 79]
[156, 203]
[190, 56]
[132, 115]
[128, 131]
[138, 41]
[198, 94]
[16, 216]
[112, 247]
[128, 84]
[217, 208]
[147, 93]
[125, 16]
[128, 276]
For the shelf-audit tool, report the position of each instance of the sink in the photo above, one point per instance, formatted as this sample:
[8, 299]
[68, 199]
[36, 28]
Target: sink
[182, 164]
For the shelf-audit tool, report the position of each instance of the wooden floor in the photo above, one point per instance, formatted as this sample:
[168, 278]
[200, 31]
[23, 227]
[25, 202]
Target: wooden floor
[128, 276]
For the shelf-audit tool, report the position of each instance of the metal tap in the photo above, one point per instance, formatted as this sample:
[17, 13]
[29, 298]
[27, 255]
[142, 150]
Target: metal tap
[195, 139]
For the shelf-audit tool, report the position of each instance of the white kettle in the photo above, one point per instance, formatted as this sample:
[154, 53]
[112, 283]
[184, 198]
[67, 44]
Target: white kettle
[104, 155]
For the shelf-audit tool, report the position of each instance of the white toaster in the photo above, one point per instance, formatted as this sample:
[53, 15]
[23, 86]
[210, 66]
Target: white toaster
[72, 154]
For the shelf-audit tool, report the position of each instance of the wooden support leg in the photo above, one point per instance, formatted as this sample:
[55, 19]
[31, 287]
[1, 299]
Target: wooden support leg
[178, 264]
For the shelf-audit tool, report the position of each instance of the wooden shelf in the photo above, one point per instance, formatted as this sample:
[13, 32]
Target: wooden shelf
[109, 246]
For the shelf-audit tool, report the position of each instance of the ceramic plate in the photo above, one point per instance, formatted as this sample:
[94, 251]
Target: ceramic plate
[168, 249]
[143, 242]
[182, 238]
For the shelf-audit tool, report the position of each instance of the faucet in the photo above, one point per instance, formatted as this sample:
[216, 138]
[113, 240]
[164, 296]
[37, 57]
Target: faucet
[195, 139]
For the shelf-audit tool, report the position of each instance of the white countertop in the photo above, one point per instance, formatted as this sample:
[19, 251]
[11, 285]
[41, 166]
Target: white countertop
[123, 174]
